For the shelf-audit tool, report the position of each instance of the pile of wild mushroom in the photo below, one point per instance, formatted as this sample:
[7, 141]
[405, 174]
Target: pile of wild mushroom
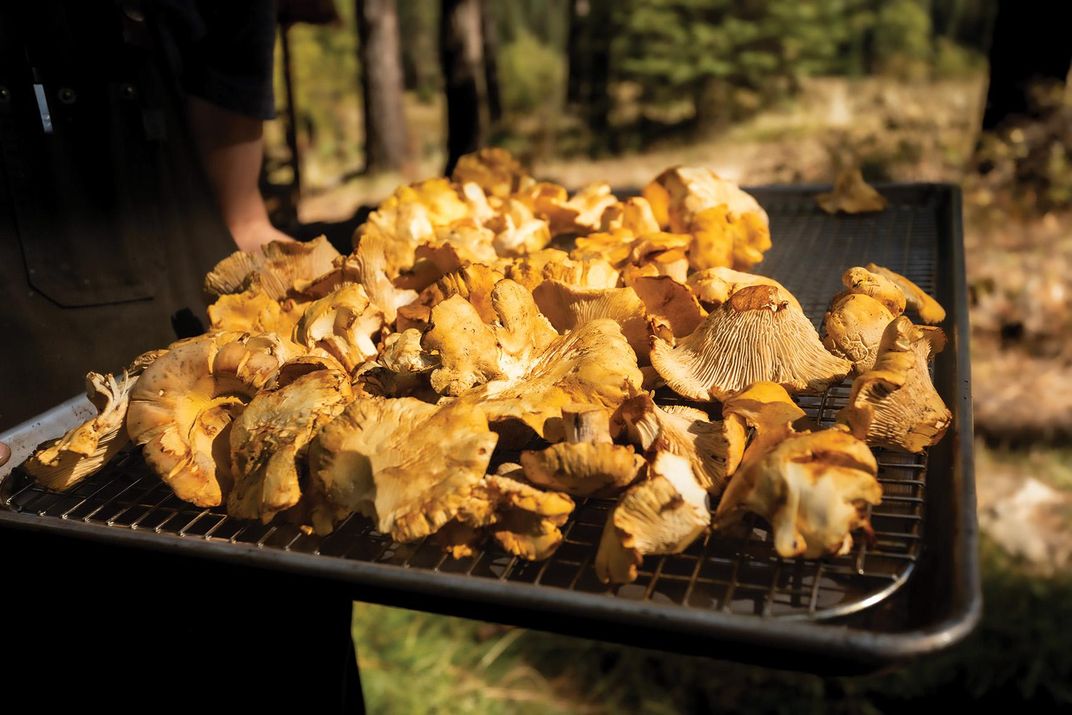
[495, 348]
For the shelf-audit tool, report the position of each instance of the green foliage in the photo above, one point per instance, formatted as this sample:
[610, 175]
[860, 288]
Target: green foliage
[903, 38]
[327, 92]
[675, 48]
[547, 20]
[531, 75]
[954, 61]
[419, 664]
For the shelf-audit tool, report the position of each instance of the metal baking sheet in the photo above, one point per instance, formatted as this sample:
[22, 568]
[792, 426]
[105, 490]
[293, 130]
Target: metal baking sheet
[913, 590]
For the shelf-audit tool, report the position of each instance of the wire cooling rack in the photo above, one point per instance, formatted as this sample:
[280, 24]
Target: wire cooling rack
[735, 575]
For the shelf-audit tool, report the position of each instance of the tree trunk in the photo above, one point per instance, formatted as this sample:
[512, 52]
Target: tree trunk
[588, 48]
[461, 53]
[491, 59]
[1030, 45]
[386, 141]
[575, 52]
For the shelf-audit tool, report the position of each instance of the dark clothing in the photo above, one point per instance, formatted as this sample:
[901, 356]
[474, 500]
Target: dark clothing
[223, 51]
[106, 225]
[90, 627]
[106, 231]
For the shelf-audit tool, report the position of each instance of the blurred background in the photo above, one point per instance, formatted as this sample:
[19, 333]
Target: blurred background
[373, 93]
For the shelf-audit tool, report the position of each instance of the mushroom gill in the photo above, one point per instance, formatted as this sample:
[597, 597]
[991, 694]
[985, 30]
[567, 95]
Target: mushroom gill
[756, 335]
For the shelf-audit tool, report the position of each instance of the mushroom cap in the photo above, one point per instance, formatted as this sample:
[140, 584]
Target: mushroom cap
[713, 448]
[473, 282]
[853, 327]
[80, 453]
[544, 198]
[929, 310]
[270, 436]
[712, 238]
[518, 231]
[755, 335]
[569, 307]
[410, 215]
[634, 214]
[472, 353]
[645, 247]
[663, 514]
[528, 520]
[375, 263]
[766, 408]
[343, 324]
[851, 194]
[670, 301]
[895, 404]
[682, 194]
[812, 488]
[494, 170]
[592, 365]
[402, 352]
[691, 189]
[589, 204]
[402, 369]
[583, 469]
[673, 263]
[182, 406]
[528, 270]
[874, 285]
[714, 286]
[524, 520]
[615, 247]
[431, 261]
[470, 241]
[253, 311]
[278, 266]
[522, 331]
[466, 347]
[409, 465]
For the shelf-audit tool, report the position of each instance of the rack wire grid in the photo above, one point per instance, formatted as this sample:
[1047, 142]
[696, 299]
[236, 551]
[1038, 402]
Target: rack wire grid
[740, 575]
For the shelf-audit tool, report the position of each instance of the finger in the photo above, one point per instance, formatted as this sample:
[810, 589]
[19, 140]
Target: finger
[5, 454]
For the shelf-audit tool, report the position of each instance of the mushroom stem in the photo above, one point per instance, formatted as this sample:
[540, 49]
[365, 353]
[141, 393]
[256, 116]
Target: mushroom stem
[586, 424]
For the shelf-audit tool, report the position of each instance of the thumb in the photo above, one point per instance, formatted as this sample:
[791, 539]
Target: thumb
[5, 454]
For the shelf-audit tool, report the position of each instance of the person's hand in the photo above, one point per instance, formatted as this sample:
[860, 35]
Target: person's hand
[252, 237]
[5, 454]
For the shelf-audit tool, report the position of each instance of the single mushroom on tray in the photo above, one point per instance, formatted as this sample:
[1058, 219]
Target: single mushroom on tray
[712, 447]
[408, 465]
[851, 194]
[279, 268]
[853, 326]
[80, 453]
[755, 335]
[182, 406]
[269, 438]
[587, 463]
[895, 404]
[663, 514]
[813, 489]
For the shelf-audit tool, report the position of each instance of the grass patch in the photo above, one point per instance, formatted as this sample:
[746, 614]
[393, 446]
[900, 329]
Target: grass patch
[1049, 464]
[424, 664]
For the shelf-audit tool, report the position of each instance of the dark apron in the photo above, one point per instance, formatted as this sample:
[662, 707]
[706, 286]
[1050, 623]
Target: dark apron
[106, 227]
[106, 232]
